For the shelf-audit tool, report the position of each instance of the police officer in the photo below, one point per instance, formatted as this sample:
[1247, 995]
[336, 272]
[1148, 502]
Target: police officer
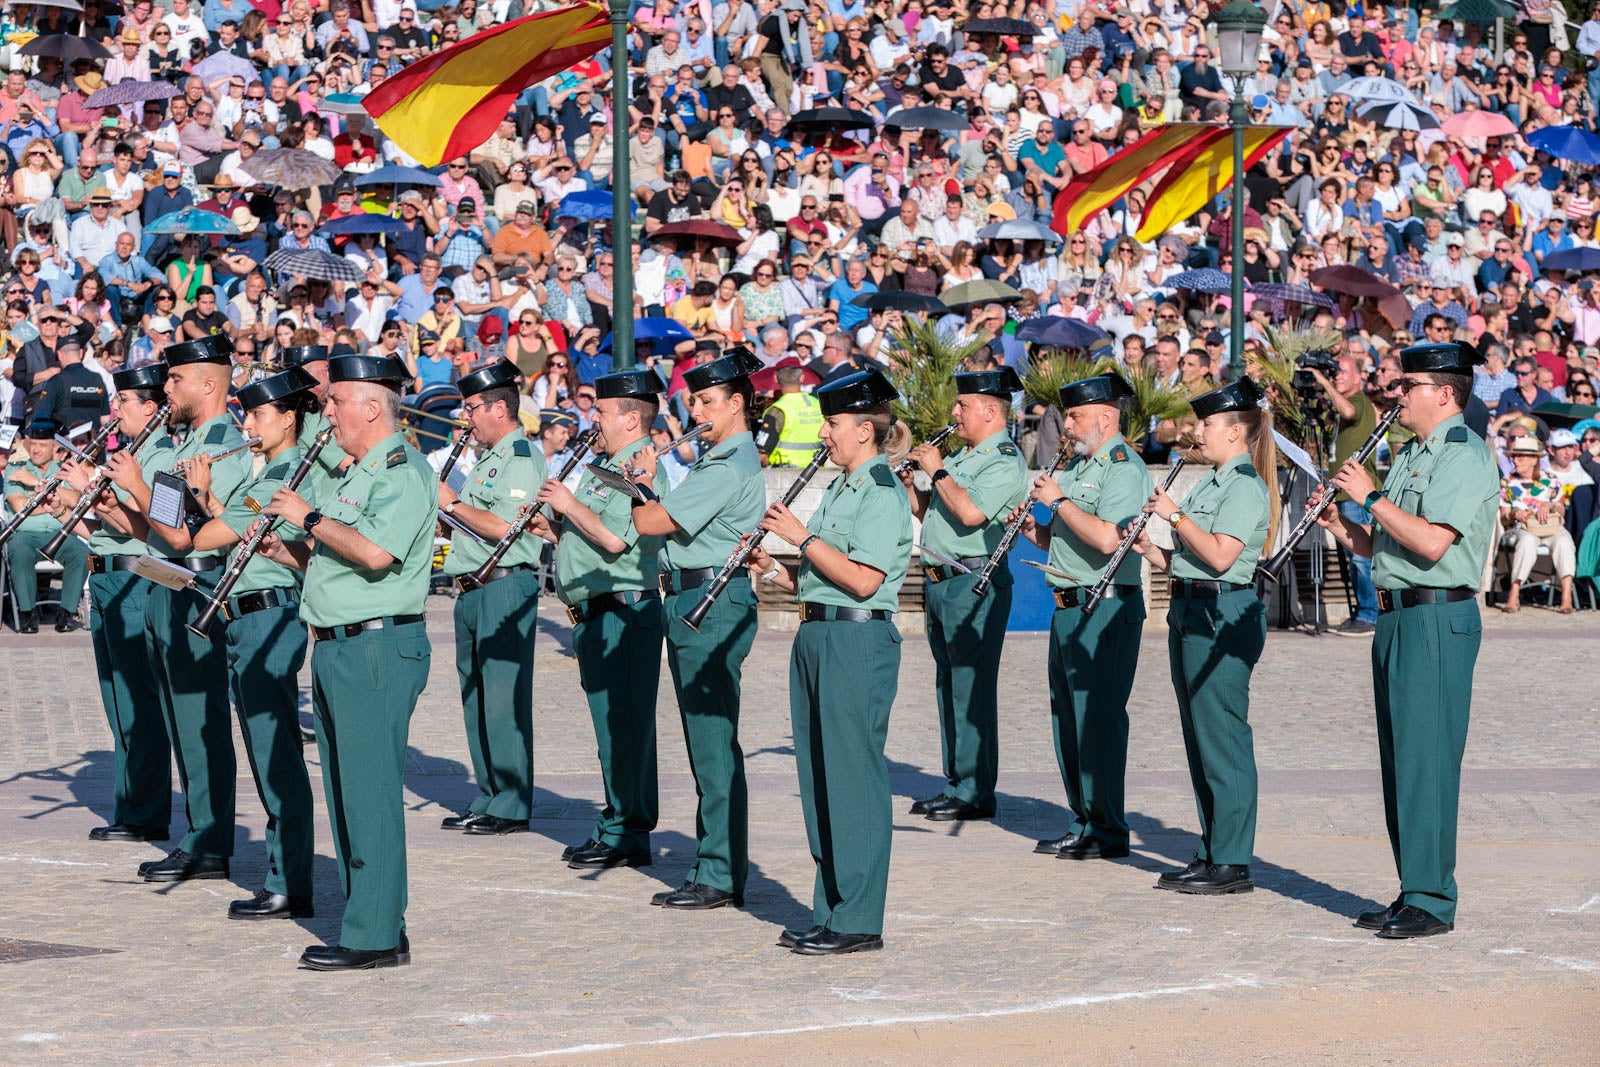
[37, 530]
[788, 434]
[367, 564]
[1218, 627]
[720, 499]
[76, 395]
[1092, 658]
[1433, 525]
[332, 460]
[845, 663]
[963, 518]
[497, 617]
[606, 575]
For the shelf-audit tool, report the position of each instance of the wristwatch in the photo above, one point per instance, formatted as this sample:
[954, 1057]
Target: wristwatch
[1372, 498]
[312, 518]
[1177, 519]
[450, 508]
[940, 473]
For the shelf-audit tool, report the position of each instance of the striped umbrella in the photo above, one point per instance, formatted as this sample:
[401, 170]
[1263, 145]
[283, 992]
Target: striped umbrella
[1204, 280]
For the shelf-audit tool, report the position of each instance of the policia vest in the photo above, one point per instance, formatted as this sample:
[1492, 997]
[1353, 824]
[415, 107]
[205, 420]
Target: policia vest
[798, 438]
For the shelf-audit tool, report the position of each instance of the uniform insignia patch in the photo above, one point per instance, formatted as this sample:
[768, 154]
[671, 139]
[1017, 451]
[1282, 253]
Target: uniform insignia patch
[522, 447]
[1119, 455]
[397, 458]
[217, 434]
[518, 494]
[883, 476]
[1007, 450]
[1458, 434]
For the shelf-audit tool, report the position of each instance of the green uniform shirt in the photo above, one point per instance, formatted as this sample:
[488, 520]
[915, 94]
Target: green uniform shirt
[505, 479]
[390, 497]
[211, 437]
[1231, 500]
[582, 570]
[155, 455]
[1354, 434]
[41, 521]
[262, 573]
[721, 499]
[1448, 478]
[995, 476]
[1113, 485]
[866, 516]
[326, 472]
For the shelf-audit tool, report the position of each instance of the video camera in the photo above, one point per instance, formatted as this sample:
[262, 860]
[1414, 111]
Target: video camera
[1305, 384]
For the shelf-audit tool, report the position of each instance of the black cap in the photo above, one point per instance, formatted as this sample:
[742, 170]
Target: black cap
[294, 380]
[42, 429]
[639, 383]
[1447, 358]
[998, 383]
[1242, 395]
[300, 355]
[149, 376]
[381, 369]
[1101, 389]
[737, 362]
[215, 348]
[856, 392]
[499, 373]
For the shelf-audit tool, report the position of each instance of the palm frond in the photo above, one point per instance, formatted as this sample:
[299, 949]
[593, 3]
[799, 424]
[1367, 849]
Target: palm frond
[1150, 402]
[923, 369]
[1055, 367]
[1273, 369]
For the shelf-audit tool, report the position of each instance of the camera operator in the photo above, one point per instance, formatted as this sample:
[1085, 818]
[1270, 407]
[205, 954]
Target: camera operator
[1356, 418]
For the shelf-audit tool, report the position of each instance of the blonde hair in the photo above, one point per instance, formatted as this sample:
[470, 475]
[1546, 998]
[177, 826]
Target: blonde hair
[891, 436]
[1257, 423]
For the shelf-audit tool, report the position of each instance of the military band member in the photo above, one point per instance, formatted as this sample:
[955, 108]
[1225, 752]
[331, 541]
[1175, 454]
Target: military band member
[606, 575]
[332, 460]
[721, 498]
[1092, 658]
[37, 530]
[367, 561]
[496, 619]
[963, 518]
[1433, 524]
[845, 663]
[1217, 627]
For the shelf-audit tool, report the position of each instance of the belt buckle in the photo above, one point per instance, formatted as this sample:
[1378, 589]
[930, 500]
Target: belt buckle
[465, 583]
[805, 613]
[933, 575]
[227, 611]
[664, 583]
[574, 614]
[1385, 600]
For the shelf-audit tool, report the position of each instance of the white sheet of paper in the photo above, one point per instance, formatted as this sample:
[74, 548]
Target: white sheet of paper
[1298, 456]
[163, 573]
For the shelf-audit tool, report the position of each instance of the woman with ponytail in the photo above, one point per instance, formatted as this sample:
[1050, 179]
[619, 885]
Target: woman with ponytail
[845, 662]
[1218, 626]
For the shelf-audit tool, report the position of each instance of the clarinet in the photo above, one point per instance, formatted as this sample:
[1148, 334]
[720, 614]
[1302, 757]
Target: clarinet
[1098, 593]
[50, 484]
[480, 577]
[92, 492]
[458, 446]
[1014, 527]
[714, 588]
[1270, 569]
[247, 551]
[935, 441]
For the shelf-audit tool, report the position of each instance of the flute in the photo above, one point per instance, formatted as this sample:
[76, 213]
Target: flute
[1014, 527]
[935, 441]
[182, 466]
[1098, 593]
[98, 485]
[50, 484]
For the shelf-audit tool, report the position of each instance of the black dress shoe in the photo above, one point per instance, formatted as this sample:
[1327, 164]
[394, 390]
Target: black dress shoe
[1217, 879]
[336, 958]
[493, 825]
[1092, 848]
[1175, 879]
[180, 866]
[1374, 920]
[460, 822]
[827, 942]
[568, 852]
[28, 623]
[265, 905]
[790, 938]
[124, 832]
[692, 896]
[66, 623]
[1054, 846]
[956, 810]
[1412, 921]
[921, 807]
[600, 856]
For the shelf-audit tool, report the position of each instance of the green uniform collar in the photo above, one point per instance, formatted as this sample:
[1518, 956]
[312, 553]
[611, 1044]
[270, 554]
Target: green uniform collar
[726, 447]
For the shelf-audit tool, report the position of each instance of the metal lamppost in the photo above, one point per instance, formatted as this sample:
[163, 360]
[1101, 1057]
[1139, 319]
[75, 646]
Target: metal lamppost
[1239, 27]
[621, 195]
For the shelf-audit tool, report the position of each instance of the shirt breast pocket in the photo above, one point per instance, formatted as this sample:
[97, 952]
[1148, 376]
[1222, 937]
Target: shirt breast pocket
[1411, 494]
[837, 530]
[1204, 513]
[1085, 497]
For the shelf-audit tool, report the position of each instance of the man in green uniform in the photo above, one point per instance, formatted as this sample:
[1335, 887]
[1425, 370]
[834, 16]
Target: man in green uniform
[606, 575]
[963, 518]
[496, 617]
[1433, 524]
[367, 564]
[789, 428]
[37, 530]
[332, 460]
[1092, 657]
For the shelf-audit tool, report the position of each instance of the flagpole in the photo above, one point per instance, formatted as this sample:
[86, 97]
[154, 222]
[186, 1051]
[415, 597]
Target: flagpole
[1237, 119]
[621, 195]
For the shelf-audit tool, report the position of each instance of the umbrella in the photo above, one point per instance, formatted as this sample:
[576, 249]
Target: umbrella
[1280, 292]
[589, 204]
[1478, 124]
[1376, 91]
[979, 291]
[1018, 230]
[221, 65]
[1004, 27]
[341, 104]
[1056, 331]
[129, 91]
[1352, 281]
[831, 118]
[290, 168]
[66, 5]
[365, 222]
[314, 263]
[193, 220]
[398, 175]
[766, 379]
[1558, 414]
[1579, 259]
[1566, 142]
[65, 47]
[717, 233]
[1481, 12]
[662, 335]
[926, 118]
[1401, 115]
[900, 301]
[1205, 280]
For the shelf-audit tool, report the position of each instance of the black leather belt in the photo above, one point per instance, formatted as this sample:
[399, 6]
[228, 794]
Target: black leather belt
[197, 564]
[1394, 599]
[1071, 598]
[355, 629]
[944, 572]
[605, 603]
[106, 564]
[832, 613]
[680, 581]
[261, 600]
[1199, 588]
[466, 583]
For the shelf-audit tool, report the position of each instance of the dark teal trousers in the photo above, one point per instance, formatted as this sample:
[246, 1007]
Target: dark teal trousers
[495, 632]
[142, 754]
[619, 666]
[966, 635]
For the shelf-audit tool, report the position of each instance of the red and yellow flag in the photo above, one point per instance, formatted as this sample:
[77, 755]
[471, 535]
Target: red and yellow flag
[1093, 191]
[450, 103]
[1189, 185]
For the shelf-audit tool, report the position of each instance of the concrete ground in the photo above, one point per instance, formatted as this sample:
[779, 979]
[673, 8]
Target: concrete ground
[993, 954]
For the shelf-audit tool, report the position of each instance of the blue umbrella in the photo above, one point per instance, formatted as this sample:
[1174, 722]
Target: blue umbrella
[366, 222]
[589, 204]
[1579, 259]
[221, 65]
[397, 175]
[1567, 142]
[1055, 331]
[1204, 280]
[663, 335]
[193, 220]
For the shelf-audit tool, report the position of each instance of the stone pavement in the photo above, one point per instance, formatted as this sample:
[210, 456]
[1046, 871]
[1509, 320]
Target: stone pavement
[514, 956]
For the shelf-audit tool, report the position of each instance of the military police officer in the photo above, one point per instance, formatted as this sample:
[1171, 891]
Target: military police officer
[1433, 525]
[788, 433]
[963, 518]
[38, 529]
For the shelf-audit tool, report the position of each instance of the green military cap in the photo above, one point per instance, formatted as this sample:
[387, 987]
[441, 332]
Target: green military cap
[1447, 358]
[292, 381]
[737, 362]
[1001, 383]
[502, 372]
[639, 383]
[300, 355]
[149, 376]
[42, 429]
[1101, 389]
[856, 392]
[382, 369]
[1242, 395]
[215, 348]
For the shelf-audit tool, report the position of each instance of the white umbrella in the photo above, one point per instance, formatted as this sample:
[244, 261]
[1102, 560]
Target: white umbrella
[1401, 116]
[1375, 91]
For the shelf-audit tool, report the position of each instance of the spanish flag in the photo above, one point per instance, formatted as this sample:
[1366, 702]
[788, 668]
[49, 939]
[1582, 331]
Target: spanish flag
[450, 103]
[1093, 191]
[1188, 187]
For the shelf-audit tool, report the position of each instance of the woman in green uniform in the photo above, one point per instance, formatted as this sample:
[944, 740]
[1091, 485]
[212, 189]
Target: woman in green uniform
[719, 501]
[1218, 626]
[845, 663]
[266, 642]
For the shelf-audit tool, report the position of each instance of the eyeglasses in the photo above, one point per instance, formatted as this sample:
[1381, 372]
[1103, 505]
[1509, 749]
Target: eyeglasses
[765, 274]
[554, 365]
[527, 322]
[458, 166]
[1406, 385]
[302, 226]
[386, 48]
[1520, 373]
[441, 300]
[558, 168]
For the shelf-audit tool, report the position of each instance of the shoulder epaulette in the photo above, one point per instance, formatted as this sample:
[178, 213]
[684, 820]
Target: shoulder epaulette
[396, 458]
[279, 473]
[1007, 450]
[1457, 434]
[522, 448]
[884, 476]
[217, 434]
[1249, 470]
[1118, 455]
